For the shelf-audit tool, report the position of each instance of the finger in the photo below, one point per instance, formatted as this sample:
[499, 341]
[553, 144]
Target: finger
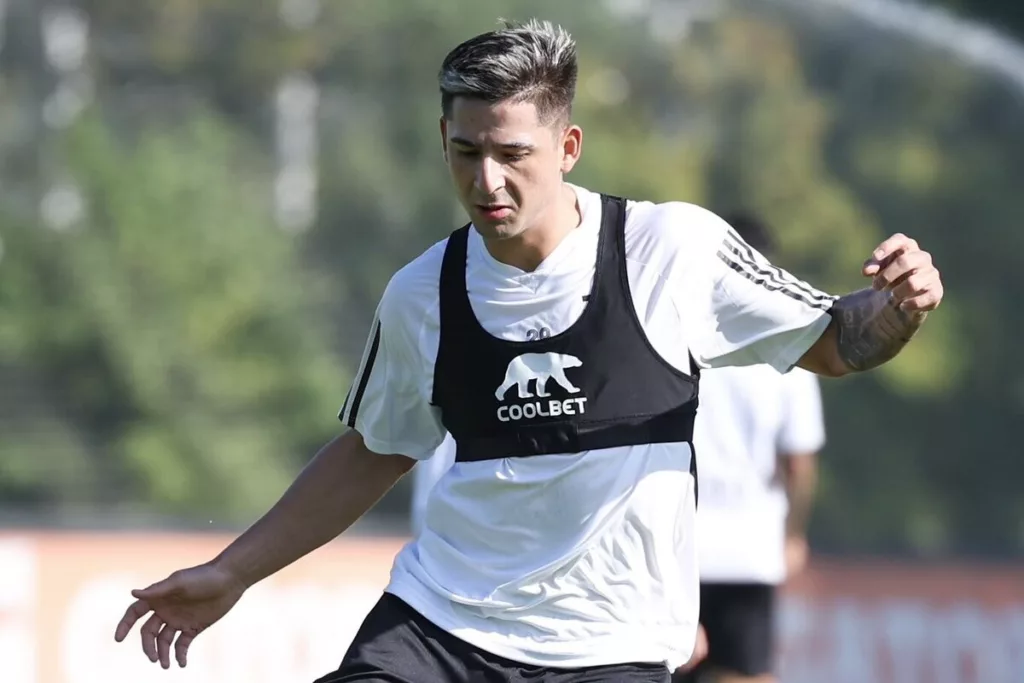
[914, 284]
[181, 647]
[149, 631]
[892, 278]
[135, 611]
[884, 251]
[900, 267]
[160, 589]
[898, 242]
[874, 266]
[884, 280]
[163, 645]
[923, 303]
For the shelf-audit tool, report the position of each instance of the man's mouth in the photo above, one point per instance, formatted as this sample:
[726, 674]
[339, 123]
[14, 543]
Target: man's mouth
[495, 211]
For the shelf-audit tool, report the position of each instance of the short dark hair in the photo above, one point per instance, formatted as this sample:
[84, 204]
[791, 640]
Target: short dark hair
[753, 229]
[533, 61]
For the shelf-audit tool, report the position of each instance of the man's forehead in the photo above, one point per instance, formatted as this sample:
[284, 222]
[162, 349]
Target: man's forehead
[500, 123]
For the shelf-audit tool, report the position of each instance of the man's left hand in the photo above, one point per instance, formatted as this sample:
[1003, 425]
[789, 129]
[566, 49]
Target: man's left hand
[901, 267]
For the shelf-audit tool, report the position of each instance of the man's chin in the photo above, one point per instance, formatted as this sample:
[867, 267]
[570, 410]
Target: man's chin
[497, 230]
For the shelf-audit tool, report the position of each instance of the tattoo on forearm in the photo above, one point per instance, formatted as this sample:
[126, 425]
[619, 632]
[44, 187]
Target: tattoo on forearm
[870, 329]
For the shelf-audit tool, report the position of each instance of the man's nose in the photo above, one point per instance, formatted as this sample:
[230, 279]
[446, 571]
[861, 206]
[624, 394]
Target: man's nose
[490, 177]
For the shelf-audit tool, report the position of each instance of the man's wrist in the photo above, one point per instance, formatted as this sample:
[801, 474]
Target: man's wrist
[871, 328]
[233, 564]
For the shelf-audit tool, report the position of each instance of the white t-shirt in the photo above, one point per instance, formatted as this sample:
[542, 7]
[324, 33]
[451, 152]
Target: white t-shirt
[748, 418]
[425, 475]
[579, 559]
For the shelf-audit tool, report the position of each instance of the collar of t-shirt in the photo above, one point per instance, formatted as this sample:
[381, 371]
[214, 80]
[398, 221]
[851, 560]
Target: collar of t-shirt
[570, 265]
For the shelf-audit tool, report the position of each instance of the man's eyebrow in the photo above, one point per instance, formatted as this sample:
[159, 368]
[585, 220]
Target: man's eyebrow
[463, 142]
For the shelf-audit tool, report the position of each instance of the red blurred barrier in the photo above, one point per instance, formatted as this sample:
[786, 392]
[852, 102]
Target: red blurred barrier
[62, 593]
[883, 622]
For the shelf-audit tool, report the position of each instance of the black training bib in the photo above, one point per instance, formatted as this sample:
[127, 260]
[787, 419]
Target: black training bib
[599, 384]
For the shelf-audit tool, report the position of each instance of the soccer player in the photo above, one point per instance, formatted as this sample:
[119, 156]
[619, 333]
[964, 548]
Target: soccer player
[756, 437]
[558, 337]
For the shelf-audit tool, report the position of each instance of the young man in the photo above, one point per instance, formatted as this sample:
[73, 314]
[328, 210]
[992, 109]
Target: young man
[757, 436]
[558, 340]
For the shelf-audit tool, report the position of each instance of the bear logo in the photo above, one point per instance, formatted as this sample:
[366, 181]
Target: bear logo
[539, 367]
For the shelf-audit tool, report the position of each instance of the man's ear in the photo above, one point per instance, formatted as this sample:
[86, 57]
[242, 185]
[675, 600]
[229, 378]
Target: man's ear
[444, 138]
[572, 147]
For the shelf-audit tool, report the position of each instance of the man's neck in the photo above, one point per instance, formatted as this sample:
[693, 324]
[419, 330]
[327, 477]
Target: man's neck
[529, 249]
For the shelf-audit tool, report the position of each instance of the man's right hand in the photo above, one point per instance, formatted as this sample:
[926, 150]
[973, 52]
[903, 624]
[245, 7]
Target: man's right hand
[184, 604]
[339, 484]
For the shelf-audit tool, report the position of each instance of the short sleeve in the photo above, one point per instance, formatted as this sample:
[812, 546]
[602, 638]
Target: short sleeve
[803, 425]
[759, 313]
[388, 402]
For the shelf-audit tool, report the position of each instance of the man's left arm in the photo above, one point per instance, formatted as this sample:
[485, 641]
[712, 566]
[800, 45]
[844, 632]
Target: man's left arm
[871, 326]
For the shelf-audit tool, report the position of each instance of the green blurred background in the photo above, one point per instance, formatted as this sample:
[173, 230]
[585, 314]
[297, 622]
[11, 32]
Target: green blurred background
[201, 202]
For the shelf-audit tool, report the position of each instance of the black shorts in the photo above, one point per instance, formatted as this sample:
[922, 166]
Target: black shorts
[396, 644]
[739, 621]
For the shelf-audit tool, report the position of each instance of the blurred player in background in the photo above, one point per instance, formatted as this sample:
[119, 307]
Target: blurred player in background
[757, 436]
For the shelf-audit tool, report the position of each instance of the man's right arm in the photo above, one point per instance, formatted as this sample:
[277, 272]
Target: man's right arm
[391, 425]
[342, 482]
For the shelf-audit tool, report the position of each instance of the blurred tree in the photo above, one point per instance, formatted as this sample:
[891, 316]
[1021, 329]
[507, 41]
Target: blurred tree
[933, 146]
[837, 132]
[172, 332]
[743, 90]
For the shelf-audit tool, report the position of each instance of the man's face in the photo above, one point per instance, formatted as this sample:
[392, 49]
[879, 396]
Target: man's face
[506, 164]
